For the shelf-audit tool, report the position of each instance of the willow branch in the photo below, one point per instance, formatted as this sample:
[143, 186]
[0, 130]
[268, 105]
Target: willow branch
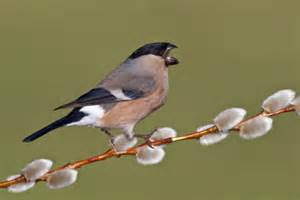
[110, 153]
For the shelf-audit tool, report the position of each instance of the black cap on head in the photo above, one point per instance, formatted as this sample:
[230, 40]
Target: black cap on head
[157, 48]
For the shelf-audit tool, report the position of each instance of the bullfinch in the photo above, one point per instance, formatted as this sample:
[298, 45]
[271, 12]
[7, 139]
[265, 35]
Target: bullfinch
[128, 94]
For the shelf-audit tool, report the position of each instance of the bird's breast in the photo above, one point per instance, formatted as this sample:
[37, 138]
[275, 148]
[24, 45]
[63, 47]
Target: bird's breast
[133, 111]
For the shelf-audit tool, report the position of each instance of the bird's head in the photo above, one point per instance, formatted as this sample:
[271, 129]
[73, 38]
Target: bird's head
[161, 49]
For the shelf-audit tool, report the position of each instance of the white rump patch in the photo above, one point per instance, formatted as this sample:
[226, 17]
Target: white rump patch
[94, 114]
[119, 94]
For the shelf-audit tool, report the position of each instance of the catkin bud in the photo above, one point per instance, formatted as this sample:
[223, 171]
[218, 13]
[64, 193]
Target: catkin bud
[278, 100]
[296, 103]
[163, 133]
[36, 169]
[256, 127]
[211, 138]
[149, 156]
[229, 118]
[62, 178]
[20, 187]
[122, 143]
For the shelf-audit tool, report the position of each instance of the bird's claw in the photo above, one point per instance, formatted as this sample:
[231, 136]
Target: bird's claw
[147, 138]
[112, 142]
[149, 144]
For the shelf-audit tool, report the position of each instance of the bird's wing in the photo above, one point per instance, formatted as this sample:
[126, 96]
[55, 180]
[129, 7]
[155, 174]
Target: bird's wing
[130, 89]
[98, 96]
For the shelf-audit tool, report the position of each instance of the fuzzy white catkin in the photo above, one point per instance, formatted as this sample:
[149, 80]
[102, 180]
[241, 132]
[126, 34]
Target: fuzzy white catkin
[296, 103]
[256, 127]
[229, 118]
[122, 143]
[20, 187]
[202, 128]
[163, 133]
[62, 178]
[149, 156]
[36, 169]
[211, 138]
[278, 100]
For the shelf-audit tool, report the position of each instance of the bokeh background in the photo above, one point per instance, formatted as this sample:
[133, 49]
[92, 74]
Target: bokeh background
[232, 53]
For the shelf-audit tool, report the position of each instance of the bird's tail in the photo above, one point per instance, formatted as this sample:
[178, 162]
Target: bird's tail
[74, 116]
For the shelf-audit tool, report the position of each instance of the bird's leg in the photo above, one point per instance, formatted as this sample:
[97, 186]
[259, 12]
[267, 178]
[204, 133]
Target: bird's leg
[129, 132]
[129, 137]
[146, 136]
[110, 135]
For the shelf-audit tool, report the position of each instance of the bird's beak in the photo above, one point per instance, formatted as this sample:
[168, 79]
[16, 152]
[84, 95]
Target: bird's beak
[169, 59]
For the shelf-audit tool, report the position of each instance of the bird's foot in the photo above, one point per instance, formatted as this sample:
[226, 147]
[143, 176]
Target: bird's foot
[147, 138]
[112, 142]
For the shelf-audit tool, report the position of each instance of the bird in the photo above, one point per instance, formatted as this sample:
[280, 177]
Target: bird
[128, 94]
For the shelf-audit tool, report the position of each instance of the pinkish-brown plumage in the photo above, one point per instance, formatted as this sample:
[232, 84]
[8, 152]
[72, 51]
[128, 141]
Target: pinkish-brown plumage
[126, 114]
[128, 94]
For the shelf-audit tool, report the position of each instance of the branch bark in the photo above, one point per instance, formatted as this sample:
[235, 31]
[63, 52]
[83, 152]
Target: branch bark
[110, 153]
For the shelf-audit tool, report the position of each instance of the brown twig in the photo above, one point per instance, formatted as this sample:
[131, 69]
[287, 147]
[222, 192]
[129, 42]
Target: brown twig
[132, 151]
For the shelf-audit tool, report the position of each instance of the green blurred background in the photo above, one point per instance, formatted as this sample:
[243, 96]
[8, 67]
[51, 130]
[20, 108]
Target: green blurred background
[232, 53]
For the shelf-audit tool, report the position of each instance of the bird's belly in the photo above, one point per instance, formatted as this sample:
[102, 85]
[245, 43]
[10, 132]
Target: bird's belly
[131, 112]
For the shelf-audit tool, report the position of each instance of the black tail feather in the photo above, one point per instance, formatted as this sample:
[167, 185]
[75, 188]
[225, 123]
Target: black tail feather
[57, 124]
[74, 116]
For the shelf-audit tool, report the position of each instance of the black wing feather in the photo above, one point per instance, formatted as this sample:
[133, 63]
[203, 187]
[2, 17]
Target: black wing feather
[98, 96]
